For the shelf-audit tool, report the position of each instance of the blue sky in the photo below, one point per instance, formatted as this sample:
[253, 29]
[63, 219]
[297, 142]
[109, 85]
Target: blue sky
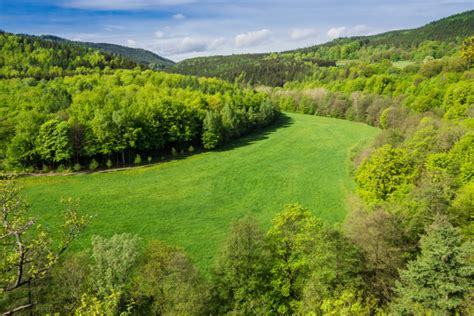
[180, 29]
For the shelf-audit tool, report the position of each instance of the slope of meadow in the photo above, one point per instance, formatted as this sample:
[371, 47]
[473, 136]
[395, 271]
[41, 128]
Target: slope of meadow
[191, 202]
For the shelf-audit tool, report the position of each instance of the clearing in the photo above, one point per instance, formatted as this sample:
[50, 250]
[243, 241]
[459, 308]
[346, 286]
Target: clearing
[190, 202]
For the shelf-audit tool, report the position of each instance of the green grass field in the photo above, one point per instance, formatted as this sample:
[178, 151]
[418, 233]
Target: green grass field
[191, 202]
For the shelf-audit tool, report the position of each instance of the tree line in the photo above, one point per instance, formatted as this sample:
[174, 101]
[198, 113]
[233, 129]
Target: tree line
[118, 119]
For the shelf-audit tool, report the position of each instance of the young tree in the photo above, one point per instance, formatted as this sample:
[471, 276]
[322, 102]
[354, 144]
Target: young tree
[113, 260]
[336, 266]
[385, 172]
[52, 142]
[441, 277]
[241, 273]
[378, 234]
[212, 126]
[467, 50]
[168, 284]
[292, 239]
[27, 251]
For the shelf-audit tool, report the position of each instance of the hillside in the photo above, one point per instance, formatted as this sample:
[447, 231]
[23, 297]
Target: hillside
[191, 202]
[30, 56]
[138, 55]
[452, 29]
[436, 39]
[265, 69]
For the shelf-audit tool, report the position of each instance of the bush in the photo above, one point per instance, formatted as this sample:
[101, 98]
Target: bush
[191, 149]
[62, 169]
[45, 169]
[174, 153]
[149, 159]
[109, 163]
[138, 160]
[77, 167]
[93, 165]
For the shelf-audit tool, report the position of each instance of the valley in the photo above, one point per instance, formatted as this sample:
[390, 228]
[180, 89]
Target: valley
[191, 202]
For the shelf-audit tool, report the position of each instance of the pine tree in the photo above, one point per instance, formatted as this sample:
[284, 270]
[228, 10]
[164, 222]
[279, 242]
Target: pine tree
[441, 277]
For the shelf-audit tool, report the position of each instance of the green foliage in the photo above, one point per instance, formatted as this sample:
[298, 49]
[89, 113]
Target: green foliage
[348, 302]
[336, 264]
[52, 142]
[29, 56]
[124, 114]
[93, 165]
[93, 305]
[138, 160]
[380, 237]
[28, 251]
[241, 275]
[461, 210]
[264, 69]
[435, 40]
[387, 172]
[109, 163]
[77, 167]
[174, 153]
[168, 284]
[441, 277]
[113, 261]
[467, 51]
[211, 137]
[291, 239]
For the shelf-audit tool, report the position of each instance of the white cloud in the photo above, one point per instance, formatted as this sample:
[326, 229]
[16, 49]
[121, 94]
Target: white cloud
[179, 17]
[254, 38]
[131, 42]
[160, 34]
[300, 34]
[179, 46]
[344, 31]
[121, 4]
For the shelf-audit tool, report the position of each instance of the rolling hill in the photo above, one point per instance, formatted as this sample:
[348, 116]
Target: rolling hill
[278, 68]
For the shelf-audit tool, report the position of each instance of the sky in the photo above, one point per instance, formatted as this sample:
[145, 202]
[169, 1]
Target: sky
[180, 29]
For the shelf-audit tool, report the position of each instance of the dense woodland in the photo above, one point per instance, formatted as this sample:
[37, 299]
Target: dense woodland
[140, 56]
[405, 247]
[27, 56]
[261, 69]
[112, 117]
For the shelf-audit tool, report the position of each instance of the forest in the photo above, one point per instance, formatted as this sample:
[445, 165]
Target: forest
[404, 248]
[119, 117]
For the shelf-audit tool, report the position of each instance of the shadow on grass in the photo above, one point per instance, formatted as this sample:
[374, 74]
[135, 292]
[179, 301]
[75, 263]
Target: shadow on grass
[283, 121]
[253, 137]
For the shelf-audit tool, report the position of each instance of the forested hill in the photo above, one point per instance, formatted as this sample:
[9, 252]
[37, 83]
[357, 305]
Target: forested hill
[452, 29]
[266, 69]
[436, 39]
[29, 56]
[137, 55]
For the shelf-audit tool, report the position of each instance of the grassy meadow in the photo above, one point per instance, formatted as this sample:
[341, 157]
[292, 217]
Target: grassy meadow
[190, 202]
